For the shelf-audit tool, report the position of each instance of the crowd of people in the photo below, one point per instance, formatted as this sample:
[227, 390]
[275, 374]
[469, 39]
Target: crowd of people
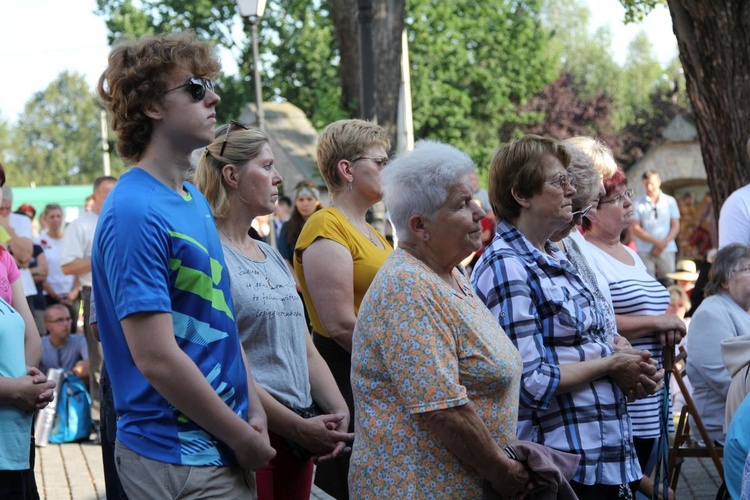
[231, 367]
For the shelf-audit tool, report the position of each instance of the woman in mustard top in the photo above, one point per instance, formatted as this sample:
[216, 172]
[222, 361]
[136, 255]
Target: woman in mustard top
[338, 254]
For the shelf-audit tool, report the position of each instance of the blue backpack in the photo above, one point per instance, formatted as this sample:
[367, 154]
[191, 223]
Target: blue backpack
[73, 414]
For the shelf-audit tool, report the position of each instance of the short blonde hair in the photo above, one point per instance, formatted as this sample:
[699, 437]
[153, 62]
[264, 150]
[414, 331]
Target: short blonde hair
[518, 167]
[241, 147]
[677, 295]
[345, 140]
[600, 154]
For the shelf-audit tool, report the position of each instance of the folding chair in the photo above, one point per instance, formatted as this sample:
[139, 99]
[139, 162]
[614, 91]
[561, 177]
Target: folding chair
[683, 446]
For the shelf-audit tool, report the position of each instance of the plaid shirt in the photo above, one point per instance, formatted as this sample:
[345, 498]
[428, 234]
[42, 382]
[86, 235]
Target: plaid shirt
[553, 319]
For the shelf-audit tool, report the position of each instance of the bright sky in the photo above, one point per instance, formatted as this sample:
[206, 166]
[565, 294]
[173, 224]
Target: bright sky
[41, 38]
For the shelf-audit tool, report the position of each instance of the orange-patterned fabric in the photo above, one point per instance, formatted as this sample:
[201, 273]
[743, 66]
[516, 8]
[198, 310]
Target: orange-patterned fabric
[421, 346]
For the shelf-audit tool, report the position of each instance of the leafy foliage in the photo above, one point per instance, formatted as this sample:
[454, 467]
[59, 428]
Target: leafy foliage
[646, 127]
[563, 111]
[636, 10]
[58, 138]
[304, 60]
[472, 63]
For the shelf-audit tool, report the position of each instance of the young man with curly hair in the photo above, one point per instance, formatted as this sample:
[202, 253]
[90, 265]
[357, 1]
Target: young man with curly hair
[190, 422]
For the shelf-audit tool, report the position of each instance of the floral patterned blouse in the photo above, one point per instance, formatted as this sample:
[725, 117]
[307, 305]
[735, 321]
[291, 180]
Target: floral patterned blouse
[421, 346]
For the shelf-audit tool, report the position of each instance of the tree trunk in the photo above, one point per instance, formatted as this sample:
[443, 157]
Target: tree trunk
[345, 26]
[387, 25]
[713, 39]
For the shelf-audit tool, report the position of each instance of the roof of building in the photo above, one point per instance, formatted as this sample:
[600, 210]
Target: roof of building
[293, 140]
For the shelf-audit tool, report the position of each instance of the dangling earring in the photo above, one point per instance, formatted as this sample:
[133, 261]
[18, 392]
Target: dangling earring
[350, 186]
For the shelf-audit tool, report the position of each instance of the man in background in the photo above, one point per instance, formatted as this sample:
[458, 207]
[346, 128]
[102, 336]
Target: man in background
[60, 348]
[657, 224]
[76, 260]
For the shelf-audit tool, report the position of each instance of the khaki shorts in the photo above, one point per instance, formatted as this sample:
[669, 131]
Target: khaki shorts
[144, 478]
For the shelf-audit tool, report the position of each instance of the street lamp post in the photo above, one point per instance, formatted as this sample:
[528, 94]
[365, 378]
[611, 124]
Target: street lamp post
[367, 92]
[253, 10]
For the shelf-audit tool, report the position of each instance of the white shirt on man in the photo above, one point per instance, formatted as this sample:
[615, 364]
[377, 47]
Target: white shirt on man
[734, 219]
[78, 241]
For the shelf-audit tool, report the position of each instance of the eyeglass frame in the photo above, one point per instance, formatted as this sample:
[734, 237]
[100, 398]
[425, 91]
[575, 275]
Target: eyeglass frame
[616, 200]
[232, 123]
[562, 181]
[380, 161]
[59, 320]
[196, 81]
[583, 212]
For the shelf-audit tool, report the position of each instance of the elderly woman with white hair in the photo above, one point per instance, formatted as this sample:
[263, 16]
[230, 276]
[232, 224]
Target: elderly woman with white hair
[435, 380]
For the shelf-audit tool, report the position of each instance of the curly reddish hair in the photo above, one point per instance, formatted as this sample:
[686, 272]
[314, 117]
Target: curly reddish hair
[136, 76]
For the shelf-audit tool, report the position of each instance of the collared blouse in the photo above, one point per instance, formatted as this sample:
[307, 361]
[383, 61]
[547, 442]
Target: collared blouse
[553, 319]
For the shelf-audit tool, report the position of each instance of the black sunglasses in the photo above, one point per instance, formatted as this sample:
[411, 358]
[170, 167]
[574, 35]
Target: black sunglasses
[197, 86]
[231, 124]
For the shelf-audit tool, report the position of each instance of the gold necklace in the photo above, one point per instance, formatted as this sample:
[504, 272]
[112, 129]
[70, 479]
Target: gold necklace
[366, 233]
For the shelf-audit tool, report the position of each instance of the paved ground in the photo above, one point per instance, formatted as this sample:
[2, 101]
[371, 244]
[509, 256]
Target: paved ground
[74, 472]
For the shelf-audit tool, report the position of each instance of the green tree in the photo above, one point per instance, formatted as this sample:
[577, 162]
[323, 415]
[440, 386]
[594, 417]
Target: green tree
[304, 60]
[587, 57]
[711, 41]
[641, 75]
[472, 63]
[58, 136]
[212, 20]
[299, 58]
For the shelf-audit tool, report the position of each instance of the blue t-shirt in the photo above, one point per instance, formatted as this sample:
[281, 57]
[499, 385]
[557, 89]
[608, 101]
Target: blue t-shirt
[15, 423]
[157, 251]
[736, 448]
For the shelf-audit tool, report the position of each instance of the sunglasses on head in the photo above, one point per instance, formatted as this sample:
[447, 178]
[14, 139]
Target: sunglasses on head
[232, 124]
[197, 86]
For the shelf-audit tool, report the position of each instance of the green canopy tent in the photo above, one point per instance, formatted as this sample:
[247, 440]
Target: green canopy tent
[71, 198]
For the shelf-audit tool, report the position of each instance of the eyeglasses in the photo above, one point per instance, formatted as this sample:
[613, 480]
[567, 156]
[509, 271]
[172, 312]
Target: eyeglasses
[380, 161]
[583, 212]
[619, 198]
[60, 320]
[563, 181]
[232, 123]
[197, 86]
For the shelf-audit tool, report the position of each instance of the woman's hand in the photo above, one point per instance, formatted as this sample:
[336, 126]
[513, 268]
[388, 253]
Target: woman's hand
[670, 323]
[635, 373]
[670, 338]
[620, 343]
[514, 481]
[325, 436]
[33, 391]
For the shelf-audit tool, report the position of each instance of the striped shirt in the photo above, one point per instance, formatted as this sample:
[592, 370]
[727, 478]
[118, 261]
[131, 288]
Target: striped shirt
[635, 292]
[553, 319]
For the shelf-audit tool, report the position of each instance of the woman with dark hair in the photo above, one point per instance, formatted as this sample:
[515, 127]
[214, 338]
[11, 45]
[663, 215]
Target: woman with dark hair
[722, 315]
[306, 203]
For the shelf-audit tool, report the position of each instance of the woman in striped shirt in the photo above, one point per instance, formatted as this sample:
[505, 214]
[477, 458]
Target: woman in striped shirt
[640, 302]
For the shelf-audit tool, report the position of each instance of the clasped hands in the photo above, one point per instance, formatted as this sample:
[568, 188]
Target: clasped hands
[636, 373]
